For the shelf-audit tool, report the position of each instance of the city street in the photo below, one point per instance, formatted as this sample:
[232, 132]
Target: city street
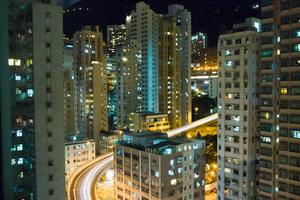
[211, 196]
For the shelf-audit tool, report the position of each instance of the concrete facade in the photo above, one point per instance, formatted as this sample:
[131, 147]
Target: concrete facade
[237, 109]
[147, 166]
[90, 70]
[77, 153]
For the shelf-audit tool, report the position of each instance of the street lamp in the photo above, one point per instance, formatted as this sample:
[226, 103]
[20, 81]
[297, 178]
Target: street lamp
[196, 109]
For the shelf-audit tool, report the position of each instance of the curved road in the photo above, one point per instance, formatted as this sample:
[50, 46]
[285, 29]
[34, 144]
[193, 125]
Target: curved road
[82, 182]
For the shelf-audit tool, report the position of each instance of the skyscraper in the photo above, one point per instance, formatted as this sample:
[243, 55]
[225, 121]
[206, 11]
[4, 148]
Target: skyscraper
[183, 18]
[90, 73]
[170, 70]
[128, 87]
[279, 104]
[199, 41]
[116, 35]
[142, 26]
[237, 110]
[36, 99]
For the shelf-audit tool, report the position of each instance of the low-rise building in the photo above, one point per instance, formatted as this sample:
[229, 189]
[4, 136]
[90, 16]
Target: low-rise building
[77, 153]
[107, 139]
[143, 121]
[148, 165]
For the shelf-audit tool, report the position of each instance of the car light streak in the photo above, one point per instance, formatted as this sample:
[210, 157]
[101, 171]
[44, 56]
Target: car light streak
[192, 125]
[85, 189]
[97, 165]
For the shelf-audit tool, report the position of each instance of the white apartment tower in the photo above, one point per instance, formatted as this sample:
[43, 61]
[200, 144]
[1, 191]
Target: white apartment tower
[279, 158]
[129, 87]
[237, 110]
[142, 26]
[90, 72]
[184, 19]
[35, 63]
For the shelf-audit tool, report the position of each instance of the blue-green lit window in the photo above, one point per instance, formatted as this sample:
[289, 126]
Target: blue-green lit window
[295, 33]
[267, 53]
[295, 47]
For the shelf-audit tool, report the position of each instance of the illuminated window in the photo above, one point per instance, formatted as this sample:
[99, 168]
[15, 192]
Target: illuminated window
[283, 91]
[171, 173]
[19, 133]
[29, 62]
[13, 161]
[173, 182]
[17, 62]
[227, 170]
[20, 161]
[20, 147]
[17, 77]
[30, 92]
[10, 62]
[18, 91]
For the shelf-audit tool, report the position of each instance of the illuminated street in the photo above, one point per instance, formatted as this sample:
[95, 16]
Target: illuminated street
[211, 196]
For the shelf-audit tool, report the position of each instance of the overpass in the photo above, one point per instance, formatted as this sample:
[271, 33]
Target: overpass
[82, 182]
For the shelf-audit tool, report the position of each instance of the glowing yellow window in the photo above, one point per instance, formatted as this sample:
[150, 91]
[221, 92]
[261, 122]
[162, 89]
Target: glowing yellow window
[283, 91]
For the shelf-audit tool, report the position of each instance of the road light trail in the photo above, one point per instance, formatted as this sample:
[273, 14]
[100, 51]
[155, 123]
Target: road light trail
[192, 125]
[82, 182]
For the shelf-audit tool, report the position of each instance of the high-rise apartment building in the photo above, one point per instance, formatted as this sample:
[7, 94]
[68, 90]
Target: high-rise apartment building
[129, 89]
[183, 18]
[69, 103]
[237, 110]
[90, 72]
[116, 34]
[205, 72]
[142, 26]
[279, 104]
[199, 41]
[34, 59]
[150, 166]
[170, 70]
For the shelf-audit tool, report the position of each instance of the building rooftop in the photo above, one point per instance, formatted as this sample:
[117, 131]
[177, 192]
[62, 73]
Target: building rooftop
[146, 134]
[164, 143]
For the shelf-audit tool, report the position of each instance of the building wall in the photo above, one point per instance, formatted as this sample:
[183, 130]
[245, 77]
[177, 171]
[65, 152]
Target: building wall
[237, 110]
[140, 122]
[107, 141]
[170, 70]
[48, 99]
[69, 109]
[279, 125]
[184, 19]
[129, 81]
[143, 24]
[116, 34]
[90, 68]
[205, 72]
[151, 176]
[78, 153]
[5, 116]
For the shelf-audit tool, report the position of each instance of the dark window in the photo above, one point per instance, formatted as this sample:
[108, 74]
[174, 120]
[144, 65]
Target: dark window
[267, 14]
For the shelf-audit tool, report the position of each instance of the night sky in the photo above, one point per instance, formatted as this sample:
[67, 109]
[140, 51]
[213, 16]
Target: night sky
[209, 16]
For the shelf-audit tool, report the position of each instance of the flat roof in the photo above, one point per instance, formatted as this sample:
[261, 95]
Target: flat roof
[146, 134]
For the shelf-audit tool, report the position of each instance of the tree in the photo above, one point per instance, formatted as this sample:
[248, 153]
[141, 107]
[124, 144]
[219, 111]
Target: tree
[201, 106]
[211, 149]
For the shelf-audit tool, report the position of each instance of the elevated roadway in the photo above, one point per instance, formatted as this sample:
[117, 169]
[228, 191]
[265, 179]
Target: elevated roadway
[82, 182]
